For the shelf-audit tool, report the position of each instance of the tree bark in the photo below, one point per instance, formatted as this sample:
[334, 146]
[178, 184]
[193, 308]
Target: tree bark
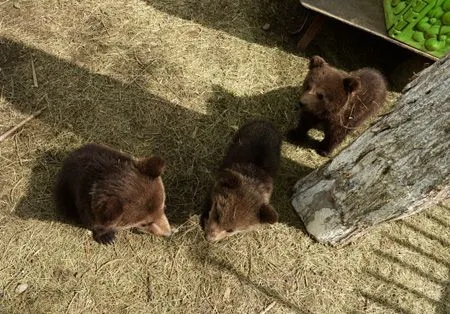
[397, 167]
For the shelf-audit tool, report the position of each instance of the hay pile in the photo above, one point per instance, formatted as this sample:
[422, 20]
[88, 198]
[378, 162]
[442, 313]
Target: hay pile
[177, 77]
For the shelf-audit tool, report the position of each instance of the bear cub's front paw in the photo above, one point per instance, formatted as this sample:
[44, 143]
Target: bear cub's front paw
[104, 236]
[294, 137]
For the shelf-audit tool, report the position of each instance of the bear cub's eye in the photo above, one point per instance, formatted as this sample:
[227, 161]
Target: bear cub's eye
[320, 96]
[216, 216]
[230, 230]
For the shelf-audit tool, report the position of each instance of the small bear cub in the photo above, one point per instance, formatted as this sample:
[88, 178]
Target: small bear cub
[106, 191]
[239, 199]
[338, 101]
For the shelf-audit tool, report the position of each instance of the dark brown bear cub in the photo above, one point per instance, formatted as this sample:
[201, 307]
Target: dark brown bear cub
[240, 197]
[338, 101]
[106, 190]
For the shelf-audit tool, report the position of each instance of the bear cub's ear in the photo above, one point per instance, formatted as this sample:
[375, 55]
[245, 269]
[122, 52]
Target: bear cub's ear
[267, 214]
[316, 61]
[229, 179]
[152, 166]
[351, 84]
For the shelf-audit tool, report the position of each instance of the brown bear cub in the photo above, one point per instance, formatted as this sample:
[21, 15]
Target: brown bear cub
[239, 199]
[338, 101]
[106, 191]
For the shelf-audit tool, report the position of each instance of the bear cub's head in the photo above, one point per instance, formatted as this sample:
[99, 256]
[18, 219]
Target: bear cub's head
[134, 196]
[326, 89]
[238, 203]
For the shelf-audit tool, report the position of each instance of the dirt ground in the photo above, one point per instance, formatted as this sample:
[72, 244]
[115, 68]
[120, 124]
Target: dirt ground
[176, 78]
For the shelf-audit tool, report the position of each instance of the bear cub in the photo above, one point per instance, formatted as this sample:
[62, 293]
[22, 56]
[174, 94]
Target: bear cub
[106, 191]
[240, 197]
[338, 101]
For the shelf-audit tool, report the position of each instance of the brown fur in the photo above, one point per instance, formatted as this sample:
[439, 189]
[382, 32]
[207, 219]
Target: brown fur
[239, 199]
[106, 191]
[338, 101]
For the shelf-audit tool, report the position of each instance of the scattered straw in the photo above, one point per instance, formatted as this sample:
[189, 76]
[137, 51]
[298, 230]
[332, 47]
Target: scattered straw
[267, 309]
[18, 126]
[33, 70]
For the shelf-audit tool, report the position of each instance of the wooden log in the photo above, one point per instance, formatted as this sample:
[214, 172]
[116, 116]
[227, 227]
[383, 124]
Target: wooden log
[397, 167]
[311, 32]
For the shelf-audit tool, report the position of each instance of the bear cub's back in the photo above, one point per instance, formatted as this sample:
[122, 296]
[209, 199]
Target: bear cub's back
[258, 143]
